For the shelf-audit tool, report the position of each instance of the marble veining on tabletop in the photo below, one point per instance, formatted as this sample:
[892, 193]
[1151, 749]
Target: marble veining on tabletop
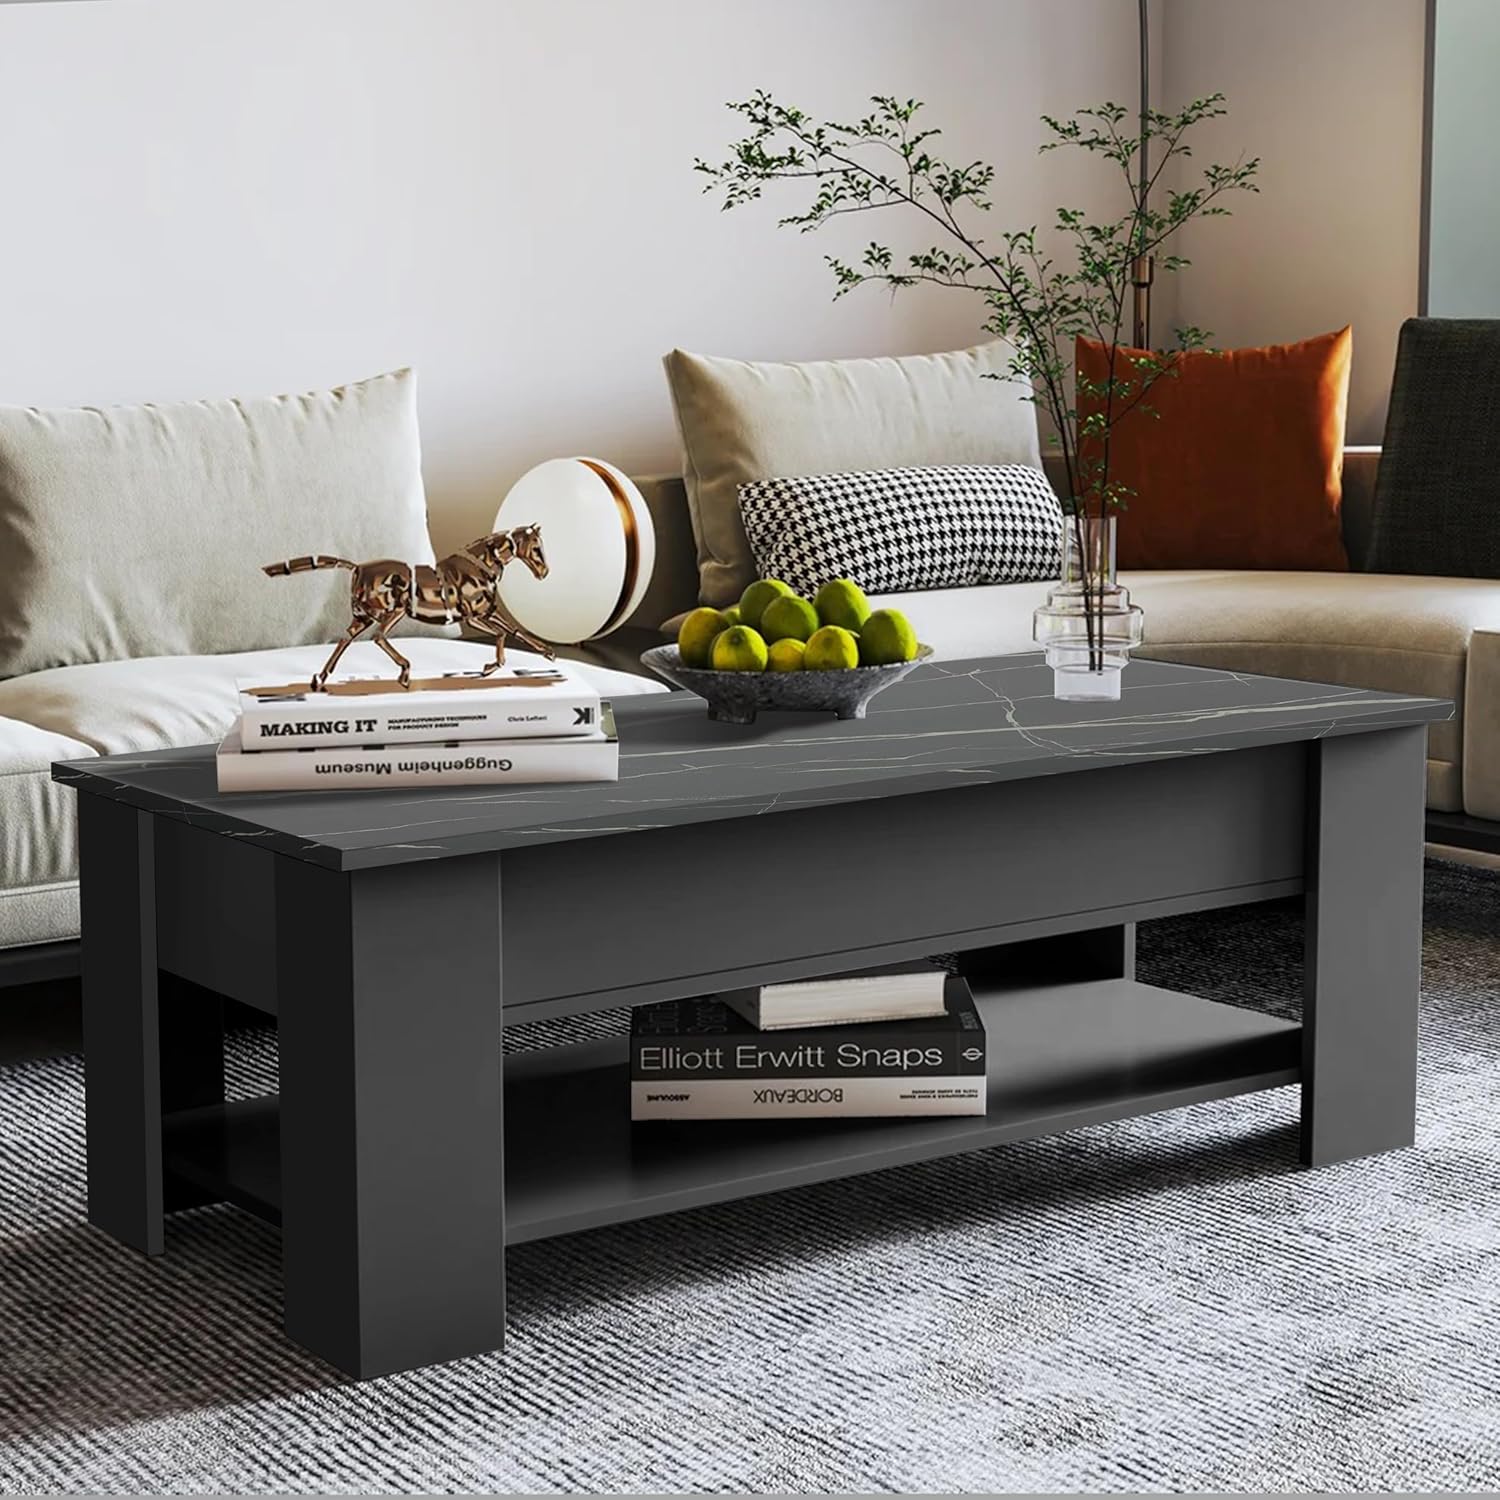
[948, 724]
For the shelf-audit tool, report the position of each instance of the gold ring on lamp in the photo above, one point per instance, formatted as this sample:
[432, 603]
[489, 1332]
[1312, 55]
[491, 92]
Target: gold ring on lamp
[599, 543]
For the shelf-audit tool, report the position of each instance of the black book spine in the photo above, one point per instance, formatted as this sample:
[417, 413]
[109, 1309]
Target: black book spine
[702, 1041]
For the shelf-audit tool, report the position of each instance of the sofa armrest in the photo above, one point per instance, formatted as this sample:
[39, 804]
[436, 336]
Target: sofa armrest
[1481, 721]
[674, 581]
[1360, 464]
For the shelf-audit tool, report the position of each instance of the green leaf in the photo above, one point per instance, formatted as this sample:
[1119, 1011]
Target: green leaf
[884, 162]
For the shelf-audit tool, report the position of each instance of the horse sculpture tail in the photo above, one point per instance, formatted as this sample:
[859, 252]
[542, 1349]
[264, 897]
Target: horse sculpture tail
[306, 565]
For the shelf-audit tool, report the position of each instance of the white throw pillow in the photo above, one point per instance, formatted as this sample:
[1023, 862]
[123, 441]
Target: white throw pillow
[141, 530]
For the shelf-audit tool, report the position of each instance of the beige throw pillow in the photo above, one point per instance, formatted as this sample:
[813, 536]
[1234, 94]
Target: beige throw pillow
[140, 530]
[741, 422]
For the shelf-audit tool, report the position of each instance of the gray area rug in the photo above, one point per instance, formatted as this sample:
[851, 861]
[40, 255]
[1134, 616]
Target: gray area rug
[1164, 1304]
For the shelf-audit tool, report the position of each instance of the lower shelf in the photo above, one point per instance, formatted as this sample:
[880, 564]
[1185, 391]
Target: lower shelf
[1062, 1056]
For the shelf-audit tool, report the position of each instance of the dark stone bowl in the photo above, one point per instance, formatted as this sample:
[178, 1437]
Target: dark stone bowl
[736, 697]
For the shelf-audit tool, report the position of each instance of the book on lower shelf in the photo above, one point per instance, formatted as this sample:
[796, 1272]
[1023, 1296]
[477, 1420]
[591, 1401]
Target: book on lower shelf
[546, 702]
[891, 992]
[702, 1060]
[500, 762]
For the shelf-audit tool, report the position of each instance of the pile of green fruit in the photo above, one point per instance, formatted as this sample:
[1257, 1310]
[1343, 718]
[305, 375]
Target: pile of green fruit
[773, 629]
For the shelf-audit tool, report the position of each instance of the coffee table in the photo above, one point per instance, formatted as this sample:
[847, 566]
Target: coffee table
[394, 934]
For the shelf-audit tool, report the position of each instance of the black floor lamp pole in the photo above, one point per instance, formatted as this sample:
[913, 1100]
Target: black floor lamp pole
[1143, 268]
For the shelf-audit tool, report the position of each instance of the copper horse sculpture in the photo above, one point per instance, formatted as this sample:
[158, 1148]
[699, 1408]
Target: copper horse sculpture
[461, 589]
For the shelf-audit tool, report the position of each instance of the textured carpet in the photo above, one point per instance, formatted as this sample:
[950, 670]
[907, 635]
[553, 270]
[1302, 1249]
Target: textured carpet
[1164, 1304]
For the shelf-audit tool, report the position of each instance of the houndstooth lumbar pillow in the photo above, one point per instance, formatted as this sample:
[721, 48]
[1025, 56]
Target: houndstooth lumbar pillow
[895, 530]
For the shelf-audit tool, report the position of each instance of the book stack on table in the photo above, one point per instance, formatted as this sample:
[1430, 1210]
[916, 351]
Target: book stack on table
[520, 724]
[906, 1040]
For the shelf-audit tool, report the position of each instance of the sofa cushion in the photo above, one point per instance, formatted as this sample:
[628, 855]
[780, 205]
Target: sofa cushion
[990, 620]
[1392, 632]
[741, 422]
[38, 820]
[934, 526]
[140, 530]
[1374, 630]
[1232, 458]
[1361, 465]
[38, 914]
[152, 702]
[1437, 495]
[71, 713]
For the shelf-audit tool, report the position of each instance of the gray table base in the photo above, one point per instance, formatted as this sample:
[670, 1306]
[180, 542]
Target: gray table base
[386, 1157]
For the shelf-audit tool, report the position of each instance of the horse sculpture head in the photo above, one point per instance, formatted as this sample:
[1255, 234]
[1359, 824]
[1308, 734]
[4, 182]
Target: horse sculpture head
[502, 547]
[526, 544]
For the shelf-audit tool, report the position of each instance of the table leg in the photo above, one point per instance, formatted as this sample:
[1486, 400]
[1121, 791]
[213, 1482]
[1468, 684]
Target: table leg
[150, 1041]
[1364, 944]
[393, 1232]
[121, 1056]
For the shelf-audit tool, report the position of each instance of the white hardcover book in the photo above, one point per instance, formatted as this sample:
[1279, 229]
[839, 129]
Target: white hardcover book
[552, 701]
[802, 1098]
[593, 757]
[895, 992]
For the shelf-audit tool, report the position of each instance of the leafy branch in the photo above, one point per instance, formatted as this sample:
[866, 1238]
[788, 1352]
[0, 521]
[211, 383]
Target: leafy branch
[1041, 306]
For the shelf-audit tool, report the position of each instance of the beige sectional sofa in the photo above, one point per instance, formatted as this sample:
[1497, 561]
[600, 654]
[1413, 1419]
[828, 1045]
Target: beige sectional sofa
[1436, 636]
[132, 597]
[116, 707]
[742, 421]
[171, 608]
[1430, 636]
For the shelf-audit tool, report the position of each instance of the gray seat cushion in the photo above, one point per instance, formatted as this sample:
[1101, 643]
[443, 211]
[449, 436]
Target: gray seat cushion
[38, 836]
[1437, 493]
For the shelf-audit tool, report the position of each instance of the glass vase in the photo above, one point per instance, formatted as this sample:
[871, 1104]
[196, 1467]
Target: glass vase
[1088, 625]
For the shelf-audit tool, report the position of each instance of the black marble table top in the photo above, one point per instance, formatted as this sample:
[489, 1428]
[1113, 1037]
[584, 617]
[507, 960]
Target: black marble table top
[948, 724]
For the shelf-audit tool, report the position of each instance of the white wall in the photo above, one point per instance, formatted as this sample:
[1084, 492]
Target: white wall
[209, 197]
[1328, 93]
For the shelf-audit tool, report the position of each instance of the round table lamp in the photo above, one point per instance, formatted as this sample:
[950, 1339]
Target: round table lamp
[599, 544]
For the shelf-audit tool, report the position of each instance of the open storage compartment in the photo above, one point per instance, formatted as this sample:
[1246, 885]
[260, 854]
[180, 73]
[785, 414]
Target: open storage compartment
[1060, 1057]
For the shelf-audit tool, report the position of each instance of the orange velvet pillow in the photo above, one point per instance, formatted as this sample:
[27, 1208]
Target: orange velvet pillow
[1241, 464]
